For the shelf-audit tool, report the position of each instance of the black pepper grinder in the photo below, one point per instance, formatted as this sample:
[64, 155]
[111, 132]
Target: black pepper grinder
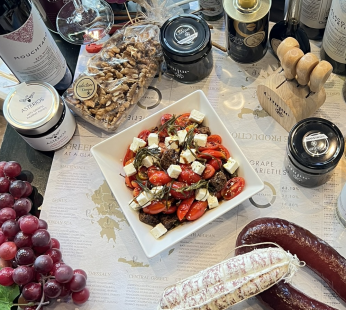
[211, 9]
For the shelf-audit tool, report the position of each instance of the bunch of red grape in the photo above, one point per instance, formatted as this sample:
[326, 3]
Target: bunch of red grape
[29, 257]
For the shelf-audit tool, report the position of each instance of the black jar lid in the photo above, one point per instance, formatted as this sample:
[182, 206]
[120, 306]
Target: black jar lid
[315, 145]
[185, 38]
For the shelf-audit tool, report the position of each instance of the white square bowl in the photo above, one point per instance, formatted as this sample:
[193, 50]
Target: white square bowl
[109, 154]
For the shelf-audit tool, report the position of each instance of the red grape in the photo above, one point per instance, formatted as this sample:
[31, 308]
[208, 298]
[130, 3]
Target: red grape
[25, 175]
[42, 249]
[2, 238]
[42, 224]
[10, 228]
[25, 256]
[22, 240]
[7, 214]
[82, 272]
[28, 224]
[64, 291]
[43, 264]
[12, 169]
[55, 267]
[77, 283]
[4, 184]
[28, 189]
[55, 255]
[32, 291]
[6, 200]
[52, 289]
[40, 237]
[63, 274]
[22, 206]
[2, 165]
[6, 276]
[81, 297]
[8, 250]
[23, 275]
[55, 243]
[17, 188]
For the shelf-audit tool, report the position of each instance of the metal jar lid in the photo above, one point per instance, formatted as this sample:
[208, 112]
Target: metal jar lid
[315, 145]
[32, 108]
[185, 38]
[247, 16]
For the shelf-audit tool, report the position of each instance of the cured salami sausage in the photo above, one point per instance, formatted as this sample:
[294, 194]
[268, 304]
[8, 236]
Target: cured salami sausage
[318, 255]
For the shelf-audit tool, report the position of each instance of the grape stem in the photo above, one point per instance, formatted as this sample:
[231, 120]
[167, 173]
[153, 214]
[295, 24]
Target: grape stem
[42, 297]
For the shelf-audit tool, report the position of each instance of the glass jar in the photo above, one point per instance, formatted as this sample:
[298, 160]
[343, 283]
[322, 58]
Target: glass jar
[315, 147]
[36, 111]
[187, 48]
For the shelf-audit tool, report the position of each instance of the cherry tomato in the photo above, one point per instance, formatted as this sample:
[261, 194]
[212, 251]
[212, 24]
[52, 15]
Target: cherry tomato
[165, 118]
[212, 153]
[170, 210]
[136, 191]
[233, 188]
[143, 173]
[128, 181]
[209, 146]
[155, 207]
[151, 170]
[208, 172]
[196, 210]
[214, 138]
[183, 120]
[180, 195]
[144, 134]
[224, 151]
[184, 207]
[159, 178]
[185, 167]
[131, 160]
[216, 163]
[189, 177]
[129, 154]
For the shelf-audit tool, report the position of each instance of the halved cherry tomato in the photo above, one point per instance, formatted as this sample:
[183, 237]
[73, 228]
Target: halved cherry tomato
[159, 178]
[155, 207]
[151, 170]
[131, 160]
[144, 134]
[128, 181]
[233, 188]
[180, 195]
[165, 117]
[189, 177]
[212, 153]
[214, 138]
[208, 172]
[224, 151]
[183, 120]
[196, 210]
[209, 146]
[170, 210]
[185, 167]
[143, 173]
[136, 191]
[184, 207]
[129, 154]
[216, 163]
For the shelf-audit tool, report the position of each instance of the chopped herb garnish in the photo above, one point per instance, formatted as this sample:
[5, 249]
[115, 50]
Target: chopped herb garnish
[144, 152]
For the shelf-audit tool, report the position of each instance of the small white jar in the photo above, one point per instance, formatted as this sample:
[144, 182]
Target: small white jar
[37, 112]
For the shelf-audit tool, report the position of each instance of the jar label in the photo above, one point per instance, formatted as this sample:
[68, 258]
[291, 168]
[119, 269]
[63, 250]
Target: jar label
[185, 34]
[31, 103]
[85, 88]
[316, 144]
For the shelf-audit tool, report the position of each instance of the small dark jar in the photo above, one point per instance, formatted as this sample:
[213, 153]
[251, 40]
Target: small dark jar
[315, 147]
[187, 48]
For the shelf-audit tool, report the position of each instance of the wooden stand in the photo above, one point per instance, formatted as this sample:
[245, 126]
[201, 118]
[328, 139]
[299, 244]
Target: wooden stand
[290, 102]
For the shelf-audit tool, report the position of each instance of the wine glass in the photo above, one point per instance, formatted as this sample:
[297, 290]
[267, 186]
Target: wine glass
[84, 21]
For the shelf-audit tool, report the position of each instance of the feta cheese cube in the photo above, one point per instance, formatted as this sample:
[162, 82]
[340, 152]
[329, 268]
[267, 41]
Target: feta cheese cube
[158, 230]
[153, 138]
[196, 116]
[174, 171]
[212, 201]
[201, 194]
[231, 166]
[143, 199]
[197, 167]
[156, 189]
[172, 142]
[154, 146]
[186, 156]
[200, 139]
[134, 205]
[148, 161]
[137, 144]
[130, 170]
[181, 135]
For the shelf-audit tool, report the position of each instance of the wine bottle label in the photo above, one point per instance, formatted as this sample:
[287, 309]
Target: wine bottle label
[314, 13]
[211, 7]
[334, 42]
[31, 53]
[275, 44]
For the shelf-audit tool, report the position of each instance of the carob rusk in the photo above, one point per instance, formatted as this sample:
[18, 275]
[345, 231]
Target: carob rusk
[318, 255]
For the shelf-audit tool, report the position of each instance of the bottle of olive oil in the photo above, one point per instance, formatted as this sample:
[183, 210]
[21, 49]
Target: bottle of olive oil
[247, 24]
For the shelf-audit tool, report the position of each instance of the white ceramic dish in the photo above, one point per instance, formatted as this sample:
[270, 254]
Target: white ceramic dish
[109, 155]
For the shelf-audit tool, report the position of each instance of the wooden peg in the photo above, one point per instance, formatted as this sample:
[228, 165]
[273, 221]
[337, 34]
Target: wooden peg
[304, 68]
[285, 46]
[320, 75]
[289, 62]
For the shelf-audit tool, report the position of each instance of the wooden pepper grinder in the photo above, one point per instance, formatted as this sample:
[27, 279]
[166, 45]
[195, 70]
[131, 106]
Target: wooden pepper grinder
[294, 91]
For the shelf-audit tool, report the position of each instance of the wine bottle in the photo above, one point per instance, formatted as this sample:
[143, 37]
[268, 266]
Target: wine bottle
[313, 17]
[211, 9]
[27, 47]
[289, 27]
[334, 44]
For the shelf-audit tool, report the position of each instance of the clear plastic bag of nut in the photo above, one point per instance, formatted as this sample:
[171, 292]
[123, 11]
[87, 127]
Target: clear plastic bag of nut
[116, 77]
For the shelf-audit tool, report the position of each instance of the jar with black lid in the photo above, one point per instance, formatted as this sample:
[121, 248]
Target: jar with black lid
[187, 48]
[315, 147]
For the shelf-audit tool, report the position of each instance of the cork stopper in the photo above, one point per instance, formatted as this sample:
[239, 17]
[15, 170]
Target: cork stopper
[320, 75]
[285, 46]
[247, 4]
[289, 62]
[304, 68]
